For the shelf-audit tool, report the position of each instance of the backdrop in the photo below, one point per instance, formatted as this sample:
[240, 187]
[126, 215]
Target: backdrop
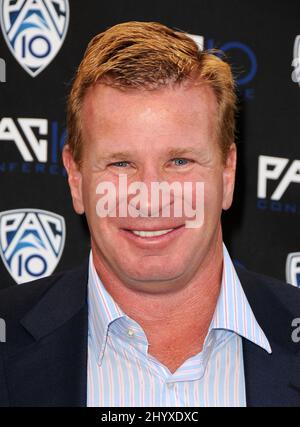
[42, 43]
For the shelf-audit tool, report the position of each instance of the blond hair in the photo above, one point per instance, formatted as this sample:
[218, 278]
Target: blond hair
[148, 56]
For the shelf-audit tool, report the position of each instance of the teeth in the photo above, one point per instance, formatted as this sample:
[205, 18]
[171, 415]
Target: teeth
[151, 233]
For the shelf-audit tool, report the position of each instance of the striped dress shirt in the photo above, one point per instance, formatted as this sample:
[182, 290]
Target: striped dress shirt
[121, 373]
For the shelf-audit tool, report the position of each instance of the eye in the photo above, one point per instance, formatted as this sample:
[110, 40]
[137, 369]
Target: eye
[119, 164]
[181, 161]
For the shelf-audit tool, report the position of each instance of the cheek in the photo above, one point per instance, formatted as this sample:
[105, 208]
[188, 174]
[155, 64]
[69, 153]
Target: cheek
[89, 186]
[95, 202]
[210, 184]
[213, 196]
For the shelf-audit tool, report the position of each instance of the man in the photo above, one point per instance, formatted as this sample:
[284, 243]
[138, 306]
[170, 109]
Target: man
[158, 316]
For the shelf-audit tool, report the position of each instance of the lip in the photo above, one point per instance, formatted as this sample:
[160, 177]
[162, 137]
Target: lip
[154, 241]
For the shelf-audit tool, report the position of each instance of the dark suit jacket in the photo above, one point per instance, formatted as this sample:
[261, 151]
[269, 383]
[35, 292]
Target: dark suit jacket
[44, 359]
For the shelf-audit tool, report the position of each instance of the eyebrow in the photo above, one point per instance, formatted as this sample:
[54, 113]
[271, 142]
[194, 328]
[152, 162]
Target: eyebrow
[115, 156]
[177, 152]
[172, 152]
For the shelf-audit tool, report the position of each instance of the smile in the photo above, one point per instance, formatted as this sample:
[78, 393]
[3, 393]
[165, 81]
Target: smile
[144, 233]
[153, 238]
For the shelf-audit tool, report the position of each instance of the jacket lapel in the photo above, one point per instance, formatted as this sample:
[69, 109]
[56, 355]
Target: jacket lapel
[270, 379]
[53, 363]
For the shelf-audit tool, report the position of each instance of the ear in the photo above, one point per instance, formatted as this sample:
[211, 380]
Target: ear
[74, 179]
[229, 177]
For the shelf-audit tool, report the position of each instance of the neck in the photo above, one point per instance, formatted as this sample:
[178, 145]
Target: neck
[173, 322]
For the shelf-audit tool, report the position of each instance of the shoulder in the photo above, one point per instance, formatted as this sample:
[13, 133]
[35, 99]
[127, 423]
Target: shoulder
[17, 300]
[256, 284]
[274, 303]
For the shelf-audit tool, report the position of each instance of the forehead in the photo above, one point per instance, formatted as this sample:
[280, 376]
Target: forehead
[171, 112]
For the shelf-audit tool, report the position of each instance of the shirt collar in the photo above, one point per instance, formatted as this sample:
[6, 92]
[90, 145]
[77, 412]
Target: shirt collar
[103, 310]
[233, 311]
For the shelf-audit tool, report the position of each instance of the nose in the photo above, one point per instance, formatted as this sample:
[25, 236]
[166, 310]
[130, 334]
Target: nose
[154, 197]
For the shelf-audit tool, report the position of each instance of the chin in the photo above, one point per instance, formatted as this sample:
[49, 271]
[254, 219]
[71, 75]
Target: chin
[147, 271]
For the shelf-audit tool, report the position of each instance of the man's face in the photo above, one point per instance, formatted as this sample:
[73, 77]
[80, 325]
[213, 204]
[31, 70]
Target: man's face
[165, 135]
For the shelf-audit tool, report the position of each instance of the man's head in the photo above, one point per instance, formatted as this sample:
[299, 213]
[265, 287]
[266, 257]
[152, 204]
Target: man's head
[146, 103]
[149, 56]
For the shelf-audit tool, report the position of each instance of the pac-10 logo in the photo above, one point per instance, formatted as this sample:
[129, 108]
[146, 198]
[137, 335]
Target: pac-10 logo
[34, 144]
[237, 47]
[34, 30]
[293, 269]
[2, 71]
[296, 61]
[31, 242]
[272, 168]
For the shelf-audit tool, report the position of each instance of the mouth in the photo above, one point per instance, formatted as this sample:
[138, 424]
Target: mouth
[145, 233]
[144, 238]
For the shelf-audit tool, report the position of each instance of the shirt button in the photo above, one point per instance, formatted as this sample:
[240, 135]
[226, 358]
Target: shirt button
[130, 333]
[170, 385]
